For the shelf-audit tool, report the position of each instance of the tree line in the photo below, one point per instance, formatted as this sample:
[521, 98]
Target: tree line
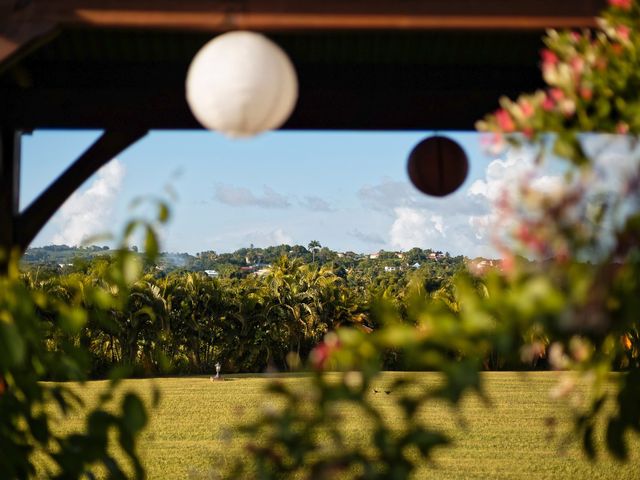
[185, 321]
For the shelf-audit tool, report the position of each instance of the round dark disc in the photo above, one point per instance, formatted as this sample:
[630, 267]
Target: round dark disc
[438, 166]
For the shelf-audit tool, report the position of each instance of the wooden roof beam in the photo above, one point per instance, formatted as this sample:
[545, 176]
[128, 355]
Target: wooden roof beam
[22, 23]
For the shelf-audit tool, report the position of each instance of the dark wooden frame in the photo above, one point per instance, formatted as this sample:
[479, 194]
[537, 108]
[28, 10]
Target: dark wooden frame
[28, 24]
[18, 229]
[29, 21]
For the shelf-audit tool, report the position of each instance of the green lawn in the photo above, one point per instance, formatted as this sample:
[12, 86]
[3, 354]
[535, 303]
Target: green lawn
[190, 436]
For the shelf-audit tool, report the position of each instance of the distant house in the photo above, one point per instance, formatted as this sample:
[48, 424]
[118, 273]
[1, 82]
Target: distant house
[390, 269]
[400, 255]
[479, 266]
[257, 268]
[211, 273]
[373, 256]
[415, 265]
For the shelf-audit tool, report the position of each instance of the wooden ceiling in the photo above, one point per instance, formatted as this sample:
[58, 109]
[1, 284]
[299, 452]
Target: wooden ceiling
[362, 64]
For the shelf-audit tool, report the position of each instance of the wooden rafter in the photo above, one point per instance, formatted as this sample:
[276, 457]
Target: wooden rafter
[37, 18]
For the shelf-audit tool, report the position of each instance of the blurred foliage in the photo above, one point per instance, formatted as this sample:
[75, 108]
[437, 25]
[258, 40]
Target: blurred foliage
[32, 350]
[586, 238]
[185, 322]
[568, 285]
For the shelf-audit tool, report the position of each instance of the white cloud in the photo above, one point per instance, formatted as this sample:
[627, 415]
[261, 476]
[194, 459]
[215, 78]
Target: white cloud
[388, 195]
[427, 222]
[463, 222]
[316, 204]
[367, 238]
[416, 228]
[264, 238]
[243, 197]
[504, 177]
[614, 162]
[501, 173]
[89, 212]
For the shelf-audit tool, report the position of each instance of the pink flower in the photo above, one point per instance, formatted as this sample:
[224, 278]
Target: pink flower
[622, 4]
[562, 255]
[577, 65]
[548, 104]
[556, 94]
[548, 57]
[617, 49]
[601, 63]
[493, 143]
[505, 122]
[567, 107]
[321, 354]
[623, 32]
[622, 128]
[527, 108]
[586, 93]
[508, 263]
[530, 239]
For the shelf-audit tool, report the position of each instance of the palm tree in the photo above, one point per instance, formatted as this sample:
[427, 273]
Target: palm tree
[314, 246]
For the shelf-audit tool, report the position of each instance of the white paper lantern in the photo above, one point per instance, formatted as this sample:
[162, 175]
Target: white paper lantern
[240, 84]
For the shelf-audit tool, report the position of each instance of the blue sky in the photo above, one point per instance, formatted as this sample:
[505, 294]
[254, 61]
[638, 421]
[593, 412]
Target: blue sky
[349, 190]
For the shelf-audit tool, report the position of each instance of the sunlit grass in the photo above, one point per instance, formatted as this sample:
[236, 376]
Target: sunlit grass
[190, 434]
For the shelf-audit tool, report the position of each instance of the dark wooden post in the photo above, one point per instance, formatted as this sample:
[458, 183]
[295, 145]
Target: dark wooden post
[9, 193]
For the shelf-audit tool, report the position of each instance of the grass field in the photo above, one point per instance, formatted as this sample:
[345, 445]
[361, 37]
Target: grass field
[189, 435]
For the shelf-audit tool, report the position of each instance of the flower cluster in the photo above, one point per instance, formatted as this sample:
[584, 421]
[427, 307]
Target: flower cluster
[582, 228]
[549, 216]
[592, 83]
[320, 356]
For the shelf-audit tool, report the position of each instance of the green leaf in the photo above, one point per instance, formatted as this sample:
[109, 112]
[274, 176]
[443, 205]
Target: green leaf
[426, 440]
[131, 226]
[134, 413]
[151, 243]
[99, 423]
[615, 439]
[12, 345]
[587, 443]
[39, 428]
[131, 268]
[163, 213]
[73, 319]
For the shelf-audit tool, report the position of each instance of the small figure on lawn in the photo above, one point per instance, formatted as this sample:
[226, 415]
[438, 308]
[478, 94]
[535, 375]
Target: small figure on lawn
[217, 377]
